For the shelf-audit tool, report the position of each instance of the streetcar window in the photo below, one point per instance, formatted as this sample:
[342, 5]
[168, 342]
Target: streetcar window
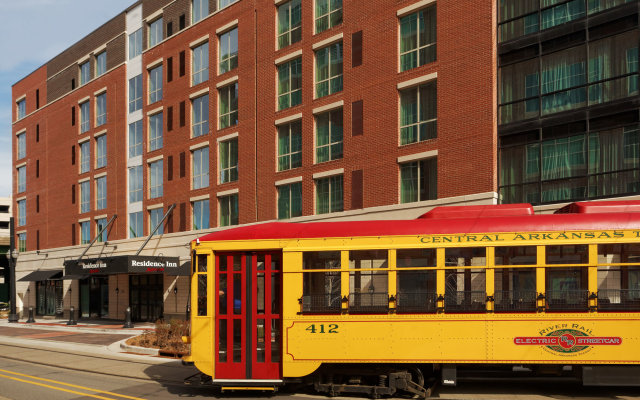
[515, 289]
[520, 255]
[618, 288]
[618, 253]
[571, 254]
[465, 256]
[566, 289]
[321, 289]
[202, 263]
[202, 295]
[416, 290]
[465, 290]
[416, 258]
[368, 281]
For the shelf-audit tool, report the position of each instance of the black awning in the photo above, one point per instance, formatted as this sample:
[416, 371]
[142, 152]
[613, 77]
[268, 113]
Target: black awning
[73, 277]
[183, 270]
[42, 275]
[122, 265]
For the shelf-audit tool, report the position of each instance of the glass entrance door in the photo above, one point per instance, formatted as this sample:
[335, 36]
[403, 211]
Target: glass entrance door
[247, 344]
[145, 297]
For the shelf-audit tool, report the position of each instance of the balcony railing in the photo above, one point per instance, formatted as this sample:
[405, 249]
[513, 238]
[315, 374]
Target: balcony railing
[321, 303]
[369, 302]
[618, 300]
[465, 301]
[567, 300]
[515, 301]
[416, 302]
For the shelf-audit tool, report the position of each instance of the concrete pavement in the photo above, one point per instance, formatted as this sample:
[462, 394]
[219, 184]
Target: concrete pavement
[87, 347]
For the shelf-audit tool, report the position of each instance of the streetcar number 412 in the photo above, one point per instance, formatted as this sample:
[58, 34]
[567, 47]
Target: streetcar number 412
[320, 328]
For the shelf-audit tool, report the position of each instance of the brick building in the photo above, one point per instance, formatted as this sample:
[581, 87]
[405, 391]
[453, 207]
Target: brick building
[219, 112]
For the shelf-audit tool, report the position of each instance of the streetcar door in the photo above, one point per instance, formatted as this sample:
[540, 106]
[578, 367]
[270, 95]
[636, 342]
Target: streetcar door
[247, 333]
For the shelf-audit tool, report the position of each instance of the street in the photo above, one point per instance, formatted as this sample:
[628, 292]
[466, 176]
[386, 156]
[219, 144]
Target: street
[26, 380]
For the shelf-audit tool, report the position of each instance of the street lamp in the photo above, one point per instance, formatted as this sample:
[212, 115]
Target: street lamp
[12, 256]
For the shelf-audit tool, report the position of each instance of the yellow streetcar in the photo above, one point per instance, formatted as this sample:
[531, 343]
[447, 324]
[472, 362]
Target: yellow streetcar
[374, 306]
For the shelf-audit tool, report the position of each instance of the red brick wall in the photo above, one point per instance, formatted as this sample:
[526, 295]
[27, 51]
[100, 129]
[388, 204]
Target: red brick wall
[466, 143]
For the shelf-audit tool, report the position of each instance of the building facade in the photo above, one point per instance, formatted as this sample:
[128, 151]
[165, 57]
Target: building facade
[214, 113]
[568, 100]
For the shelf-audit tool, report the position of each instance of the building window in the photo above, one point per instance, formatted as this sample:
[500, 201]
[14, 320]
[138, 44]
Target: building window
[22, 242]
[101, 193]
[101, 63]
[101, 224]
[329, 194]
[85, 196]
[578, 167]
[290, 200]
[155, 132]
[419, 180]
[290, 84]
[329, 70]
[135, 44]
[85, 157]
[224, 3]
[200, 168]
[418, 39]
[155, 179]
[101, 151]
[418, 113]
[200, 10]
[85, 72]
[200, 64]
[201, 214]
[328, 14]
[155, 84]
[22, 212]
[290, 146]
[229, 161]
[22, 145]
[289, 23]
[135, 93]
[21, 108]
[135, 225]
[85, 117]
[101, 109]
[135, 184]
[229, 50]
[329, 136]
[155, 216]
[155, 32]
[200, 116]
[22, 179]
[85, 232]
[228, 210]
[135, 139]
[229, 105]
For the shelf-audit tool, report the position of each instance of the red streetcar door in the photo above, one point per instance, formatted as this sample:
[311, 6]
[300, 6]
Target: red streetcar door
[247, 321]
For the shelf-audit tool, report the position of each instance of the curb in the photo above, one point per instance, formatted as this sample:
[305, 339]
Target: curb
[137, 349]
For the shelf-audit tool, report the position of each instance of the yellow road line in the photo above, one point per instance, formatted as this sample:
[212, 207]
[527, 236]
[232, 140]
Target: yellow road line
[64, 384]
[53, 387]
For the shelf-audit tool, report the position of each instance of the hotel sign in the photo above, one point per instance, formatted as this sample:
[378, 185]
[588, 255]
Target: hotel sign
[122, 265]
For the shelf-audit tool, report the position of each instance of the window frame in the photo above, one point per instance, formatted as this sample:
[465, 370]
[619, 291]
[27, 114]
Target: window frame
[331, 79]
[290, 212]
[101, 109]
[331, 127]
[155, 216]
[85, 196]
[228, 171]
[202, 206]
[21, 181]
[85, 232]
[156, 32]
[226, 206]
[135, 93]
[332, 207]
[225, 117]
[135, 184]
[155, 84]
[292, 71]
[203, 10]
[135, 44]
[288, 33]
[156, 122]
[101, 151]
[101, 192]
[22, 212]
[228, 60]
[288, 157]
[85, 72]
[85, 116]
[85, 156]
[135, 128]
[200, 63]
[21, 144]
[156, 179]
[328, 15]
[101, 63]
[21, 108]
[200, 177]
[138, 218]
[200, 116]
[420, 176]
[418, 123]
[419, 46]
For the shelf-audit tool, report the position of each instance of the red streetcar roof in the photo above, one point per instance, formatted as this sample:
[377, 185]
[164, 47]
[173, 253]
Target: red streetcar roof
[500, 210]
[598, 207]
[435, 226]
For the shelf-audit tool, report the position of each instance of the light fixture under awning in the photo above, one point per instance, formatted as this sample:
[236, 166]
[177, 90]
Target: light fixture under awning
[42, 275]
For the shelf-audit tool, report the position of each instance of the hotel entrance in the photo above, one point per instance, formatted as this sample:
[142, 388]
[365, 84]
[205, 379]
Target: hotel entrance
[94, 297]
[146, 297]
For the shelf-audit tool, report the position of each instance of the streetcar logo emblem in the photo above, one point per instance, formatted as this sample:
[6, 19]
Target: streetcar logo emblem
[567, 341]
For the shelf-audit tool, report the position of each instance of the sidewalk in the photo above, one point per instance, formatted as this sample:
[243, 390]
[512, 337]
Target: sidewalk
[88, 346]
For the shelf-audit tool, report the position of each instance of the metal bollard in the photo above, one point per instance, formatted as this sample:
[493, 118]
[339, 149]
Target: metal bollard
[31, 320]
[72, 320]
[127, 319]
